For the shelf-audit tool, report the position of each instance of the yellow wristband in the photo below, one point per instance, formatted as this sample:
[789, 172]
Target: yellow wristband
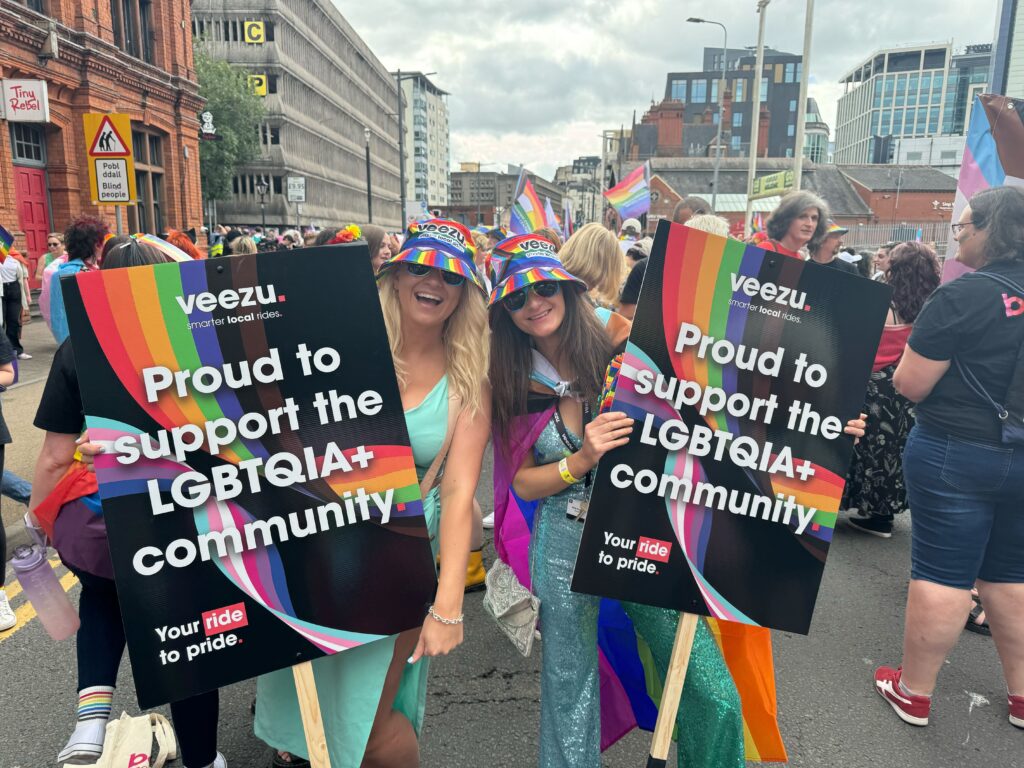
[567, 476]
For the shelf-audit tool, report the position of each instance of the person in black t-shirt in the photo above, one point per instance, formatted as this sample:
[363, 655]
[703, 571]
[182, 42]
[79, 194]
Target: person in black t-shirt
[964, 484]
[80, 539]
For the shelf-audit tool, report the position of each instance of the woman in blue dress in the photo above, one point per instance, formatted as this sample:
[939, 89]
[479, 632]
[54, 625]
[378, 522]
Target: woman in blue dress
[372, 697]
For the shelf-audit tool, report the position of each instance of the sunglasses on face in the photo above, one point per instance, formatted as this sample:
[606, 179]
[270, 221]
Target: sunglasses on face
[52, 245]
[517, 300]
[421, 270]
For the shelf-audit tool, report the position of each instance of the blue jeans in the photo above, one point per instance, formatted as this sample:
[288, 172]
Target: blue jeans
[14, 487]
[967, 509]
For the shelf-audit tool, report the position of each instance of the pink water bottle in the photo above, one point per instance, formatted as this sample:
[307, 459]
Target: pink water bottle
[41, 587]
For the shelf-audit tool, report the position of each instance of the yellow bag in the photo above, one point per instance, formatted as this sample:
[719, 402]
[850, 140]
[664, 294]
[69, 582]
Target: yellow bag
[128, 742]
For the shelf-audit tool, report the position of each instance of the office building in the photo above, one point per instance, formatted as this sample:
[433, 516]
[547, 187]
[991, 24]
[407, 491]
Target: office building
[63, 60]
[816, 134]
[427, 142]
[485, 197]
[779, 90]
[1007, 74]
[327, 97]
[907, 93]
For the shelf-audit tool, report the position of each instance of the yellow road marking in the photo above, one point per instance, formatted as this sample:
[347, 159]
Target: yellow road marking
[25, 613]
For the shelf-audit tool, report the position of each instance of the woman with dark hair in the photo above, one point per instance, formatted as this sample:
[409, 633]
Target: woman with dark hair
[83, 242]
[800, 218]
[964, 462]
[65, 502]
[874, 481]
[549, 357]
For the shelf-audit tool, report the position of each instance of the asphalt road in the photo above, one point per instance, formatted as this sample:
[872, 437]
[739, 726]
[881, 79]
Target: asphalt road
[483, 705]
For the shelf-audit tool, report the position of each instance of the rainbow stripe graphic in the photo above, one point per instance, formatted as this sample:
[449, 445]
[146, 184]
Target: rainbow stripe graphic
[138, 324]
[632, 196]
[527, 211]
[697, 289]
[6, 241]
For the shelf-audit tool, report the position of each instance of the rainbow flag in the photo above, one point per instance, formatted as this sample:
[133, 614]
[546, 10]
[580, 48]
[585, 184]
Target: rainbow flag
[527, 211]
[993, 157]
[6, 241]
[631, 197]
[757, 222]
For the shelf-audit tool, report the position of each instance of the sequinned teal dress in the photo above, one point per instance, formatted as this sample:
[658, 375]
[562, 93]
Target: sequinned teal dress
[349, 684]
[710, 720]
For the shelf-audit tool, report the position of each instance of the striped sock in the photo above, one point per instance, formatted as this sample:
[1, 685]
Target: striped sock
[94, 703]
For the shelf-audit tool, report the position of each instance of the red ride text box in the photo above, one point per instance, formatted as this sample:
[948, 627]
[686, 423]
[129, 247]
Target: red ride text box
[653, 549]
[222, 619]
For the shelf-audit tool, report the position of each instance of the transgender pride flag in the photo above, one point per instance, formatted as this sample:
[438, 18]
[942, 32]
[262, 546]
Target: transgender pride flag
[994, 157]
[631, 197]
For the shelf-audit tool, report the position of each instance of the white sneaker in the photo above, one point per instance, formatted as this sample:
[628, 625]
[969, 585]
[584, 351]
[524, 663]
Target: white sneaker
[219, 762]
[85, 745]
[7, 617]
[24, 356]
[489, 521]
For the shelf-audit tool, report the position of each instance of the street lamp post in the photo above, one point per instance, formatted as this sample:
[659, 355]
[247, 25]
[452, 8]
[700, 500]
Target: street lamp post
[721, 104]
[261, 189]
[801, 113]
[755, 116]
[369, 186]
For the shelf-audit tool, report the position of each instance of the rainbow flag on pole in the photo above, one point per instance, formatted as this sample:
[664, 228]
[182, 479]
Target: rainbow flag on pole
[631, 197]
[6, 241]
[527, 211]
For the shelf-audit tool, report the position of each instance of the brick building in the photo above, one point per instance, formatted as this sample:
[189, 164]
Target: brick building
[896, 193]
[133, 57]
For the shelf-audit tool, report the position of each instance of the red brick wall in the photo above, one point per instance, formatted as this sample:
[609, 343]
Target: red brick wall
[92, 75]
[909, 206]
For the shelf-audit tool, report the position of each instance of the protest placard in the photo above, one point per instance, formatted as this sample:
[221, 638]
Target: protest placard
[258, 485]
[741, 370]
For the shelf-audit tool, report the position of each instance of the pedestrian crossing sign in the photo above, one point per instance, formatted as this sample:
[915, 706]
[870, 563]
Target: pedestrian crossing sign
[108, 139]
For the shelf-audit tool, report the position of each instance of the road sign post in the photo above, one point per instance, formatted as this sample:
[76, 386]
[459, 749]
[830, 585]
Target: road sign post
[108, 139]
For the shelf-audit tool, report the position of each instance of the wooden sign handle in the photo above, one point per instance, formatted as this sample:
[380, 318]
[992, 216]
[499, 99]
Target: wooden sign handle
[672, 690]
[312, 721]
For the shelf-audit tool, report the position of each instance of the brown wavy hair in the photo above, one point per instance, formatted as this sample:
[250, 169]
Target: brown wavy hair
[913, 275]
[583, 343]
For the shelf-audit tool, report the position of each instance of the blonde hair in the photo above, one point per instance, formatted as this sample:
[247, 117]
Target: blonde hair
[466, 345]
[243, 245]
[483, 246]
[708, 222]
[593, 255]
[551, 234]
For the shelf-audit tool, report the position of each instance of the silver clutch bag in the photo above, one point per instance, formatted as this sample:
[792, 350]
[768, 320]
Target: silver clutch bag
[512, 606]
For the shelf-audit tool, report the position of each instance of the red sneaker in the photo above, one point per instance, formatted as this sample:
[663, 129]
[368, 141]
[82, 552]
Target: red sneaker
[1016, 710]
[910, 708]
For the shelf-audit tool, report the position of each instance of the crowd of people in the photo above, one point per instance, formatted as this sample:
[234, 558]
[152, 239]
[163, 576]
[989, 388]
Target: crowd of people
[509, 340]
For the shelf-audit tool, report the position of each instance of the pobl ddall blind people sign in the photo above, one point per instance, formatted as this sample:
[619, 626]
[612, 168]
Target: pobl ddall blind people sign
[258, 486]
[108, 141]
[741, 371]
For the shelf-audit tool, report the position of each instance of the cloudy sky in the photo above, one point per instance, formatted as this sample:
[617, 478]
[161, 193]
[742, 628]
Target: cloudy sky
[536, 81]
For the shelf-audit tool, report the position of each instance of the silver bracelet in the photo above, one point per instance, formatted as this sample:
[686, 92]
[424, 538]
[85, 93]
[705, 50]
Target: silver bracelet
[437, 617]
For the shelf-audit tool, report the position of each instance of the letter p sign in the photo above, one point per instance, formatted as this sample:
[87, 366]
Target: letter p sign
[138, 760]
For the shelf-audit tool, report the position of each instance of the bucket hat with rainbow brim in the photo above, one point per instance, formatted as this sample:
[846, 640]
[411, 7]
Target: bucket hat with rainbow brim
[441, 244]
[521, 261]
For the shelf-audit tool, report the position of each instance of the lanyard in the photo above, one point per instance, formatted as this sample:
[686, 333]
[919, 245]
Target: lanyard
[566, 438]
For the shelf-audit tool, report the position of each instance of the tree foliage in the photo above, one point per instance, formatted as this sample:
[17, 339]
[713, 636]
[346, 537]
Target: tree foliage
[237, 113]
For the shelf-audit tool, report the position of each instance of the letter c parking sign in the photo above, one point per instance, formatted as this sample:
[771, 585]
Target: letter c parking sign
[255, 32]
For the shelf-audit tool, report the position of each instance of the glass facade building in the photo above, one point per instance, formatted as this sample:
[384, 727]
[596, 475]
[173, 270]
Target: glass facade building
[907, 93]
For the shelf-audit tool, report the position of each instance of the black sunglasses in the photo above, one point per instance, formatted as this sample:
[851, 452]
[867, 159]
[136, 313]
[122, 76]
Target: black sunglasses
[517, 300]
[420, 270]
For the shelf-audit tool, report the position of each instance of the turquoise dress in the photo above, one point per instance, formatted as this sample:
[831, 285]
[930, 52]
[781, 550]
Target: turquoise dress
[349, 684]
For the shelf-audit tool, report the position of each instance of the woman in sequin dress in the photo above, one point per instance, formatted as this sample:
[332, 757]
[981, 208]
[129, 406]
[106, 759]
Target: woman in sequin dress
[541, 323]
